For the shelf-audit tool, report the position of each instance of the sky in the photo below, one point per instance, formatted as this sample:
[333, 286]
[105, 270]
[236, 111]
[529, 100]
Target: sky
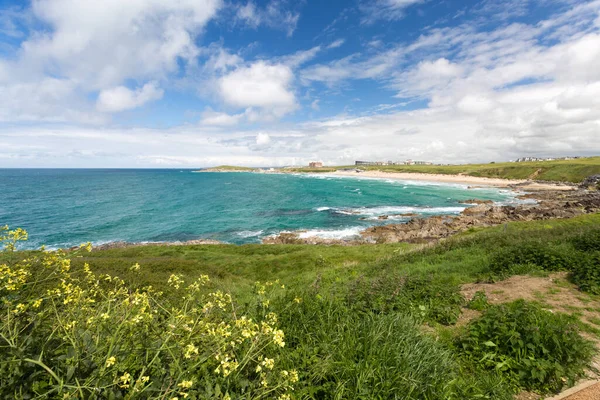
[196, 83]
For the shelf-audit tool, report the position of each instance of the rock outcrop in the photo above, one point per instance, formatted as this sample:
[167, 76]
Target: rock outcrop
[550, 205]
[591, 182]
[553, 205]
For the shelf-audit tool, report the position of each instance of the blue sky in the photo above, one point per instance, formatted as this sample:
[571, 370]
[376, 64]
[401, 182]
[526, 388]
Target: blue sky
[192, 83]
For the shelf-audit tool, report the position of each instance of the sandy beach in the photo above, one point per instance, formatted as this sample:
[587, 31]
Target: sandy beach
[458, 179]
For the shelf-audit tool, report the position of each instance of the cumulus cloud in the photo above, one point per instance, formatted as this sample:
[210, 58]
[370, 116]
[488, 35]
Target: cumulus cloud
[92, 47]
[263, 139]
[264, 86]
[121, 98]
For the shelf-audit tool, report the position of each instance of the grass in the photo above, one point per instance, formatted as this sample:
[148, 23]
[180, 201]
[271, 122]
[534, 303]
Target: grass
[563, 170]
[236, 268]
[232, 168]
[378, 321]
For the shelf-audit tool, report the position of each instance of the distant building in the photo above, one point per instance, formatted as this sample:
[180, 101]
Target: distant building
[530, 159]
[380, 163]
[370, 163]
[315, 164]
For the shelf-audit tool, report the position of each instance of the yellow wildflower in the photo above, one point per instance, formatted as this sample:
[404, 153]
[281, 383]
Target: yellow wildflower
[190, 349]
[268, 363]
[186, 384]
[124, 380]
[175, 280]
[278, 338]
[20, 308]
[111, 361]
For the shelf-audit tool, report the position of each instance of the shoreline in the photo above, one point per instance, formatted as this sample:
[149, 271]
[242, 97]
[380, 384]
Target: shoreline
[525, 188]
[457, 179]
[516, 184]
[550, 204]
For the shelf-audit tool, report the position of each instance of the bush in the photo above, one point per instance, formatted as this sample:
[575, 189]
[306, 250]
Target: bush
[345, 354]
[429, 297]
[479, 301]
[537, 349]
[67, 334]
[585, 273]
[589, 241]
[528, 256]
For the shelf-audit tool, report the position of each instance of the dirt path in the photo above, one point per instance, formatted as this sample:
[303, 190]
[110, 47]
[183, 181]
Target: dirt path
[556, 294]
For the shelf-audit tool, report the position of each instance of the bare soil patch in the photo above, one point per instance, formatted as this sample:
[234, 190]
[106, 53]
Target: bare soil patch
[554, 291]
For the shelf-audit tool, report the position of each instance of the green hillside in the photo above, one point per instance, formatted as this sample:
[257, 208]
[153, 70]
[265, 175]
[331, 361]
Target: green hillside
[565, 171]
[325, 322]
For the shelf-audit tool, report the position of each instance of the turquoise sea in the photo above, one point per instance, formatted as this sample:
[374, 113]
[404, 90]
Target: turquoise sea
[66, 207]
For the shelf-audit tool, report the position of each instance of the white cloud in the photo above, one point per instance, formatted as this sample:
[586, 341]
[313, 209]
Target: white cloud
[103, 43]
[300, 57]
[337, 43]
[214, 118]
[121, 98]
[263, 139]
[272, 15]
[473, 104]
[261, 85]
[93, 46]
[48, 99]
[389, 10]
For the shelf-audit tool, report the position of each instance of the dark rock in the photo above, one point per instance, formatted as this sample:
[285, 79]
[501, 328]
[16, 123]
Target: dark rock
[591, 182]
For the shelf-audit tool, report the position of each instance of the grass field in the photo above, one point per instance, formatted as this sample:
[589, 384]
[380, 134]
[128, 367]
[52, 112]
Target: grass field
[360, 322]
[232, 168]
[564, 171]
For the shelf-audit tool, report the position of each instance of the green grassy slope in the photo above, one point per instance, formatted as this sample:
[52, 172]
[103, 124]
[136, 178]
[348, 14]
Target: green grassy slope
[230, 168]
[363, 322]
[461, 259]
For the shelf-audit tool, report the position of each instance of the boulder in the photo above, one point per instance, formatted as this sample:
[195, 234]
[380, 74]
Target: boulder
[591, 182]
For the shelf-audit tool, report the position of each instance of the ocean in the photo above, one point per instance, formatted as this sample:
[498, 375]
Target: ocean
[66, 207]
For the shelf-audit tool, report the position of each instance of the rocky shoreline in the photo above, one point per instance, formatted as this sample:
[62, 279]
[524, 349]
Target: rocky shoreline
[549, 205]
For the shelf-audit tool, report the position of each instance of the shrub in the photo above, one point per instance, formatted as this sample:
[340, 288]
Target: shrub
[479, 301]
[527, 256]
[428, 297]
[585, 273]
[537, 349]
[66, 334]
[346, 354]
[589, 241]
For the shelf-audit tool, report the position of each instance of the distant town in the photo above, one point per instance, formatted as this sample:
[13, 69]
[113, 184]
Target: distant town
[319, 164]
[529, 159]
[407, 162]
